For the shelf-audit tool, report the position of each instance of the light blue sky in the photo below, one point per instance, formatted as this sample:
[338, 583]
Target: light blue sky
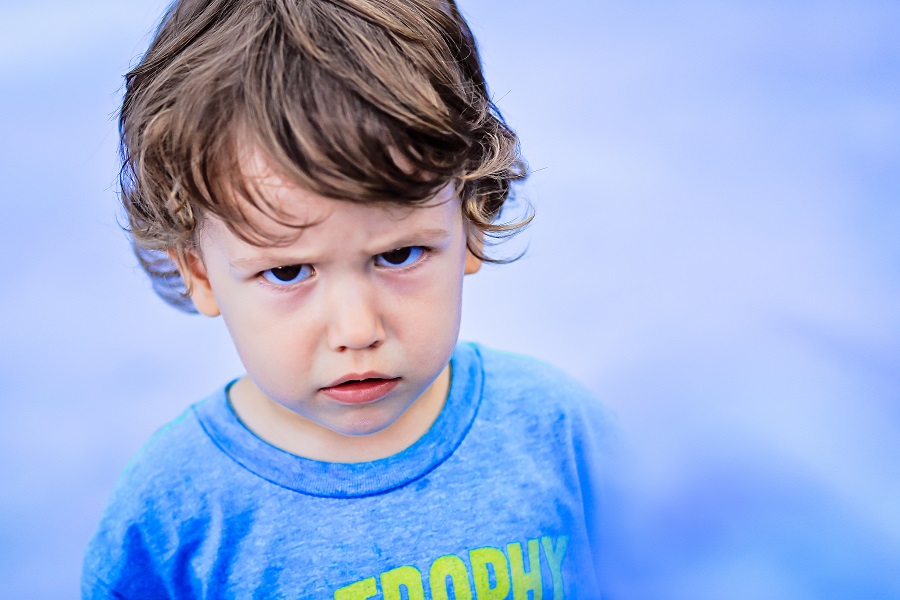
[715, 254]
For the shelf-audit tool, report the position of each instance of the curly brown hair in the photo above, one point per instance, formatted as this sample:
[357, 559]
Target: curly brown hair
[363, 100]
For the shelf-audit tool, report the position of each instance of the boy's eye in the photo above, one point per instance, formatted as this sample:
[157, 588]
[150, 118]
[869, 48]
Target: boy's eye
[287, 275]
[401, 257]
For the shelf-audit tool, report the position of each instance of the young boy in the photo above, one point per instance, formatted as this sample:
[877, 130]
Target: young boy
[322, 173]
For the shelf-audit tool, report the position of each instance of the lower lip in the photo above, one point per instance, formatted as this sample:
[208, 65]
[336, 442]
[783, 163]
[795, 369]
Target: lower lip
[360, 392]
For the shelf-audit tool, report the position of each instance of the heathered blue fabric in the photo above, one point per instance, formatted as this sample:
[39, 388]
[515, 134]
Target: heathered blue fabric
[488, 504]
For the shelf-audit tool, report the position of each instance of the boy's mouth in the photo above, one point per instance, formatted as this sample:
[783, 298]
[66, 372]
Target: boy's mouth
[360, 389]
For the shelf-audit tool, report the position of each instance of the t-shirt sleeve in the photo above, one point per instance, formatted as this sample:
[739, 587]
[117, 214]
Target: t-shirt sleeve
[131, 554]
[118, 565]
[583, 436]
[600, 454]
[598, 450]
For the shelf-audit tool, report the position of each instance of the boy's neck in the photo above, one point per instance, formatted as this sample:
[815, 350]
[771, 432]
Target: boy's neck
[297, 435]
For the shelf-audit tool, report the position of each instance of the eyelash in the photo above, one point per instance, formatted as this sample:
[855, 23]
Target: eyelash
[419, 252]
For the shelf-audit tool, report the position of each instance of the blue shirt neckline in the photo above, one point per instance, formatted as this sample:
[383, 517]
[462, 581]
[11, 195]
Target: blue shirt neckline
[342, 480]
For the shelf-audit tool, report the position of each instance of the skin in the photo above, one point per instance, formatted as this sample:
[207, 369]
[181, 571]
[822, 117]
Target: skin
[351, 310]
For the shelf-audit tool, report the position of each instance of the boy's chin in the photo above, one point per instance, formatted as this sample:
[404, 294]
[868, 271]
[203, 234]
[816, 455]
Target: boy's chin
[360, 427]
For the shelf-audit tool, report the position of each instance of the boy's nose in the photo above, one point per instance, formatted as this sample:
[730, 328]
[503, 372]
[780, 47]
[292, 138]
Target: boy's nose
[355, 323]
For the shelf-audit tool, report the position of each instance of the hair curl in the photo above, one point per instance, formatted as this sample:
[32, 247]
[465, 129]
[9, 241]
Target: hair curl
[363, 100]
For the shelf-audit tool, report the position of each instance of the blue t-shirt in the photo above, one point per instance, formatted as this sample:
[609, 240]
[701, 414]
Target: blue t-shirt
[498, 499]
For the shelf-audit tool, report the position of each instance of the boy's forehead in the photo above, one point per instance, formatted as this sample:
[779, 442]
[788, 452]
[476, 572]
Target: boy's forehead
[282, 211]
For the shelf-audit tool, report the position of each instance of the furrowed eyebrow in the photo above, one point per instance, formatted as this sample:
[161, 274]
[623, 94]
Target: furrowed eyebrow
[428, 235]
[266, 259]
[431, 234]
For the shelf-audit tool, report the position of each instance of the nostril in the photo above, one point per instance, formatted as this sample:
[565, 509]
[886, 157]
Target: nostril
[355, 328]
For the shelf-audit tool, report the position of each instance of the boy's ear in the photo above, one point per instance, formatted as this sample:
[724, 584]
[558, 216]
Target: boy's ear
[473, 263]
[196, 280]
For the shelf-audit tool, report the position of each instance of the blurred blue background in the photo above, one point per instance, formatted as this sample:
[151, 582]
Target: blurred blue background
[716, 255]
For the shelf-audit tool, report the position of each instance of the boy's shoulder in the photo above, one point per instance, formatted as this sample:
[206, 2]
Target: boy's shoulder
[170, 466]
[537, 397]
[536, 385]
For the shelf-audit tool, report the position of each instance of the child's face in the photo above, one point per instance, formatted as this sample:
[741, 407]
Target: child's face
[364, 292]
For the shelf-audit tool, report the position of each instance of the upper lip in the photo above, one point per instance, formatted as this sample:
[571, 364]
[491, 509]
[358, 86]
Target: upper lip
[358, 377]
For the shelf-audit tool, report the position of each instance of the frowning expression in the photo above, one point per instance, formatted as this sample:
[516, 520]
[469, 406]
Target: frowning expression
[349, 324]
